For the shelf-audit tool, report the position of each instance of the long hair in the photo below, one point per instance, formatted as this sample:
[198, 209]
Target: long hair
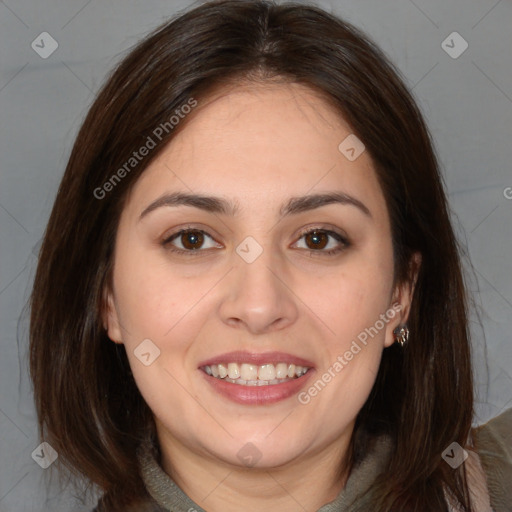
[88, 405]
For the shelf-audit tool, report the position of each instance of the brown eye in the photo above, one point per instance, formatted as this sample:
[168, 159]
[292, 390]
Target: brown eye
[322, 242]
[316, 239]
[192, 239]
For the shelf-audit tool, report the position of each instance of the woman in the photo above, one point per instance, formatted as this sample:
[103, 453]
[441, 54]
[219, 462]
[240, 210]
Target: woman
[249, 292]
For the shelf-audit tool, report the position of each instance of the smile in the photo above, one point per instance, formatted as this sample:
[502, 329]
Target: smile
[247, 374]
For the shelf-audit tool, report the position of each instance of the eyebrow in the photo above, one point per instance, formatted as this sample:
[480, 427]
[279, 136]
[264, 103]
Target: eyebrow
[219, 205]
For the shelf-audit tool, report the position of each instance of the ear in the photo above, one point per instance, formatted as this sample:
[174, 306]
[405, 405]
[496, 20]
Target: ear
[110, 317]
[402, 299]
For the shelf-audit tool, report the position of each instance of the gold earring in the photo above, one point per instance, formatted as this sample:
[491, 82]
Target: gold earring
[401, 335]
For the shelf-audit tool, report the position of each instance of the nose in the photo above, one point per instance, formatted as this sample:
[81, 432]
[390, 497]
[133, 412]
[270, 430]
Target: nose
[256, 296]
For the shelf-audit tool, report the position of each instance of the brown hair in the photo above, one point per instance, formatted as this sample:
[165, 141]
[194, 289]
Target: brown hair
[88, 404]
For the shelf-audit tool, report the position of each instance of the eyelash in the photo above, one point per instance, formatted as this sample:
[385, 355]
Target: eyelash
[330, 233]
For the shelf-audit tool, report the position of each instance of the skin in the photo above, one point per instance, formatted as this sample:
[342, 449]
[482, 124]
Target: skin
[257, 145]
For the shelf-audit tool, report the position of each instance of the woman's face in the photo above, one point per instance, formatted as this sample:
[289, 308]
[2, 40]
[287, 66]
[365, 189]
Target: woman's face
[256, 246]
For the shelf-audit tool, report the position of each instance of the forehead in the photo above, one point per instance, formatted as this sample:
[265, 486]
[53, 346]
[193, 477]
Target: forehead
[261, 142]
[262, 123]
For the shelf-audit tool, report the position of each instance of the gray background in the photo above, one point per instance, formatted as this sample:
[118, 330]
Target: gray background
[467, 102]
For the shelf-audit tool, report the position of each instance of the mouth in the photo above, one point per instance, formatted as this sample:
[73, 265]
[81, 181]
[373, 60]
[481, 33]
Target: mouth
[256, 379]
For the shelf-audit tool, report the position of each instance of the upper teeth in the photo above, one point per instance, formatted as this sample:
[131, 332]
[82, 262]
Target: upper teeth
[250, 372]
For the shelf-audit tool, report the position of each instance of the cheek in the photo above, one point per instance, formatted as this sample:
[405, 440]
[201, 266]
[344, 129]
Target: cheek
[354, 309]
[151, 297]
[159, 304]
[350, 302]
[161, 317]
[352, 349]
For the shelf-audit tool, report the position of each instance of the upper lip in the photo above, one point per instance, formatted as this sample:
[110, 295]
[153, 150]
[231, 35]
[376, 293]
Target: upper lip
[240, 356]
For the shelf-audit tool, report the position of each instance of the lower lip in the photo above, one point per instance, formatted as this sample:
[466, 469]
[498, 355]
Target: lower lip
[258, 395]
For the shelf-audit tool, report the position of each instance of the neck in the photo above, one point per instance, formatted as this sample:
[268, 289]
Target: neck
[219, 486]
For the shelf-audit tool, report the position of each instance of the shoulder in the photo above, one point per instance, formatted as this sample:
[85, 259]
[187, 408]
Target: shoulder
[493, 444]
